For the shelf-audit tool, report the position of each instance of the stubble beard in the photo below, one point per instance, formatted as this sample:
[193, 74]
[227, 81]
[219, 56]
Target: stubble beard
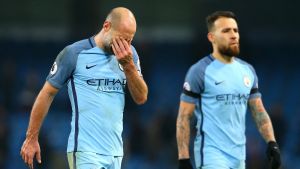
[230, 51]
[108, 49]
[107, 45]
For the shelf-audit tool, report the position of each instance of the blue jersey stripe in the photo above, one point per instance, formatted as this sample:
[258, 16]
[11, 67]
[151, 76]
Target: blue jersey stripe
[90, 41]
[202, 134]
[76, 114]
[74, 160]
[211, 57]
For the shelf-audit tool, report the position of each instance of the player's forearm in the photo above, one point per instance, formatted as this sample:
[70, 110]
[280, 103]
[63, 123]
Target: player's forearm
[183, 135]
[38, 113]
[264, 126]
[136, 85]
[262, 120]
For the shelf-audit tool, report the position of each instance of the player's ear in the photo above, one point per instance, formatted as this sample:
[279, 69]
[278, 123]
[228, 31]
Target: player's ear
[210, 37]
[106, 26]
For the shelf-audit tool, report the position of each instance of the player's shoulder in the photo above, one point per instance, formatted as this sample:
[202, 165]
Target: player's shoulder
[133, 49]
[135, 54]
[243, 62]
[79, 46]
[202, 64]
[70, 52]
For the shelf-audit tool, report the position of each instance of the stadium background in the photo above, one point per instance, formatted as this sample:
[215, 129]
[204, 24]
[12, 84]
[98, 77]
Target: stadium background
[171, 35]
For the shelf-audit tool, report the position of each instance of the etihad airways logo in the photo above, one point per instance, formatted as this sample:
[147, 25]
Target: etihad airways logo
[108, 85]
[230, 99]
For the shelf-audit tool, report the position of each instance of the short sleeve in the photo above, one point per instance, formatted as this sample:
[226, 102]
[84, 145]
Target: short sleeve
[62, 68]
[193, 85]
[136, 60]
[254, 93]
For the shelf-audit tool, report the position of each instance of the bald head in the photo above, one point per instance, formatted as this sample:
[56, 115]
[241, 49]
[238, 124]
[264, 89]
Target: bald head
[119, 23]
[121, 16]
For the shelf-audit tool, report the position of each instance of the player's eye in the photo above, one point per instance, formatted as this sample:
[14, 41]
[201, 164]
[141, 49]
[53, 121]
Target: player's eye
[226, 30]
[128, 40]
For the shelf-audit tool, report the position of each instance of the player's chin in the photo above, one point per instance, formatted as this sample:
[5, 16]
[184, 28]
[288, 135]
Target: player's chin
[235, 50]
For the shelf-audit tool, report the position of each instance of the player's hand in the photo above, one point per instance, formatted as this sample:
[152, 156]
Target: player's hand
[30, 149]
[273, 154]
[122, 50]
[185, 164]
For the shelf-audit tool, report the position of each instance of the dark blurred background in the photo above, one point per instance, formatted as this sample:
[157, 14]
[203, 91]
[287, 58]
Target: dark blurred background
[171, 36]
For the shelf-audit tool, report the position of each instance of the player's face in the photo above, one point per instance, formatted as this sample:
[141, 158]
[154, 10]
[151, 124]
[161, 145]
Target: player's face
[226, 37]
[126, 31]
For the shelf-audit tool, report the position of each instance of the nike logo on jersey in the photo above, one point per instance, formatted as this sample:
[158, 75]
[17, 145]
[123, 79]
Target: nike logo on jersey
[88, 67]
[217, 83]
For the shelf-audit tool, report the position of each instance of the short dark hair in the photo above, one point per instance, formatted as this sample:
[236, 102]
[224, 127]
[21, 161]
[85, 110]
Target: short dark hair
[210, 19]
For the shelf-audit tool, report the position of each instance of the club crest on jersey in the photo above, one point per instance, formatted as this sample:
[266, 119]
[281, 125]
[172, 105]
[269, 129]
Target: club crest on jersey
[53, 68]
[247, 81]
[121, 67]
[187, 86]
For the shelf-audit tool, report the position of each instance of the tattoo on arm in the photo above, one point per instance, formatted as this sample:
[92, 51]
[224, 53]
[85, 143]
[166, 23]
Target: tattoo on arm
[262, 119]
[183, 131]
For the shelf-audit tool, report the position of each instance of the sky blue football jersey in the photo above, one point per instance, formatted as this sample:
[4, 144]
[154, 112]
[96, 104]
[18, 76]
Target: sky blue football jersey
[96, 87]
[221, 93]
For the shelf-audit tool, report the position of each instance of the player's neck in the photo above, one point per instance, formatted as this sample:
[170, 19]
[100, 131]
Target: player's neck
[222, 58]
[98, 40]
